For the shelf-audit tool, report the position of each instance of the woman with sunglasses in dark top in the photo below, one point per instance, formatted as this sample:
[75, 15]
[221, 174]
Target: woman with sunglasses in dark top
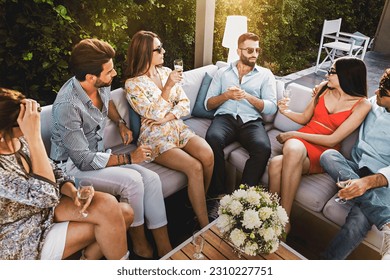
[154, 93]
[339, 105]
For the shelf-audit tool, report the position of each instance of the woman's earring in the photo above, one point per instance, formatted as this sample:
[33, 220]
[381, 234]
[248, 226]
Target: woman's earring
[1, 139]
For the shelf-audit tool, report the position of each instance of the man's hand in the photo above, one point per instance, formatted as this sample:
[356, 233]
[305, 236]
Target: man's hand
[142, 153]
[126, 134]
[235, 93]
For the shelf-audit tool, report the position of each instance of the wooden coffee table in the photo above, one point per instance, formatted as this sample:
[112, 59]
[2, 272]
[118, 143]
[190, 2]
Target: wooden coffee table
[215, 248]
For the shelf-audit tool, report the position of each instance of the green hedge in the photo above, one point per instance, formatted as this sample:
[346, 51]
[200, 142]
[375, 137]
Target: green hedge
[36, 36]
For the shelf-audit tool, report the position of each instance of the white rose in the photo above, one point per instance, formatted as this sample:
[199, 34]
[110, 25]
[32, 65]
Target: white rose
[235, 207]
[237, 236]
[265, 213]
[239, 194]
[251, 248]
[282, 215]
[225, 201]
[267, 233]
[266, 197]
[251, 219]
[253, 197]
[225, 223]
[274, 246]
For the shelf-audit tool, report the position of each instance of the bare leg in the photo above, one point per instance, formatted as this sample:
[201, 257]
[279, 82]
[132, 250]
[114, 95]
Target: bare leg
[105, 224]
[275, 174]
[180, 160]
[140, 243]
[161, 238]
[201, 150]
[295, 162]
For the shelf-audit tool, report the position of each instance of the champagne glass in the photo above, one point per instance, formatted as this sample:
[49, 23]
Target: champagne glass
[343, 182]
[149, 155]
[178, 65]
[84, 192]
[198, 242]
[287, 95]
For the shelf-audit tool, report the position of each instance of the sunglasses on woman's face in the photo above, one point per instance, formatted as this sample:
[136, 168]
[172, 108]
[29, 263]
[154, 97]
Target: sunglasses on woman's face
[251, 50]
[159, 49]
[332, 71]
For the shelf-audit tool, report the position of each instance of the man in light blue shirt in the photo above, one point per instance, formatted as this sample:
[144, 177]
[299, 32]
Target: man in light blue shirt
[240, 93]
[369, 189]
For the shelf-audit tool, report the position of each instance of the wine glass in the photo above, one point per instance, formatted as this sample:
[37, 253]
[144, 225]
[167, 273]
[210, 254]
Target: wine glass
[84, 192]
[178, 65]
[343, 182]
[149, 155]
[198, 242]
[287, 95]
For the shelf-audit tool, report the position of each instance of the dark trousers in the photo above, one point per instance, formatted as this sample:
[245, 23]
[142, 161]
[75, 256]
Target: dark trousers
[224, 130]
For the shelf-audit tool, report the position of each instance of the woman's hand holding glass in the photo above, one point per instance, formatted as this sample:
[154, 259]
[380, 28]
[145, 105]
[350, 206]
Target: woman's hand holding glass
[283, 104]
[85, 193]
[142, 154]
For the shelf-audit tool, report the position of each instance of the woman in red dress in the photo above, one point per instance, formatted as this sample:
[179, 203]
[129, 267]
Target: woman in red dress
[337, 108]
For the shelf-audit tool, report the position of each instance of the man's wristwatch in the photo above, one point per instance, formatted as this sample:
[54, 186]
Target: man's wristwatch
[120, 121]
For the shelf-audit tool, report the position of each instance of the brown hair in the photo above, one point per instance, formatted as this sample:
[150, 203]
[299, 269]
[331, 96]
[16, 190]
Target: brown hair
[385, 80]
[247, 36]
[9, 108]
[88, 57]
[139, 54]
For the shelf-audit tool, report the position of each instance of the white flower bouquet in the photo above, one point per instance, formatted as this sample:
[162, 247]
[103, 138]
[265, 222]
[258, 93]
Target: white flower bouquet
[252, 220]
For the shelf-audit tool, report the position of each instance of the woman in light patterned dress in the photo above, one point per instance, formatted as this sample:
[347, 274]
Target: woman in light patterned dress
[153, 92]
[39, 209]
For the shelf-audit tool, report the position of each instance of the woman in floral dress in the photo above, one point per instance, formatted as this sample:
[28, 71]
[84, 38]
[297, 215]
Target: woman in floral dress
[153, 92]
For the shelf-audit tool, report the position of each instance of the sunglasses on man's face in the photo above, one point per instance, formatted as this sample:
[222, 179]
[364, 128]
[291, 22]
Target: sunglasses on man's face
[383, 92]
[251, 50]
[159, 49]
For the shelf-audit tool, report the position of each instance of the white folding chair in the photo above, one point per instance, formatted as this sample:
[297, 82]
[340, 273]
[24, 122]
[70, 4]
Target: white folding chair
[337, 44]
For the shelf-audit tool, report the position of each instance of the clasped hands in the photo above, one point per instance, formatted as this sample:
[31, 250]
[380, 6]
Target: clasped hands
[235, 93]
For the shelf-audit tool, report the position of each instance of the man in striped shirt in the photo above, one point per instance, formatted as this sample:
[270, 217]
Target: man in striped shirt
[79, 116]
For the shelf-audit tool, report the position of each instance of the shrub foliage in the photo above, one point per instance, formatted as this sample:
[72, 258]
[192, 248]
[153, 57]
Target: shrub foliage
[36, 36]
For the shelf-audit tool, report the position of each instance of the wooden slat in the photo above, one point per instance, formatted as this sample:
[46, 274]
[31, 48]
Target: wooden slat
[216, 248]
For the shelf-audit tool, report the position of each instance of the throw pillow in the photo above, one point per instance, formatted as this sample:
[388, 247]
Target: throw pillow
[135, 124]
[199, 109]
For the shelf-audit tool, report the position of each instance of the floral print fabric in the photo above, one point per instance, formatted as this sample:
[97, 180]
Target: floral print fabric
[27, 203]
[145, 98]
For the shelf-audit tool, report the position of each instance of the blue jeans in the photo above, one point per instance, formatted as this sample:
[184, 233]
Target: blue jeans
[373, 207]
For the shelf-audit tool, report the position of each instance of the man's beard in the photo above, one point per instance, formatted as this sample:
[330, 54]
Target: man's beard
[100, 84]
[246, 61]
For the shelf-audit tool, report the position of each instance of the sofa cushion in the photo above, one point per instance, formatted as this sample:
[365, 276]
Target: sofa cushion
[199, 109]
[111, 133]
[300, 97]
[46, 123]
[171, 180]
[135, 124]
[193, 80]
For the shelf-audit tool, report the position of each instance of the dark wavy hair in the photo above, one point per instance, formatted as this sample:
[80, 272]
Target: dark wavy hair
[9, 109]
[88, 57]
[352, 75]
[385, 80]
[139, 54]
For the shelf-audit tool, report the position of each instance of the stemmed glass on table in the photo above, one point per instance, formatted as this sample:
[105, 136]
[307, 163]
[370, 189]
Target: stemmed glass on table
[84, 192]
[178, 65]
[198, 242]
[343, 181]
